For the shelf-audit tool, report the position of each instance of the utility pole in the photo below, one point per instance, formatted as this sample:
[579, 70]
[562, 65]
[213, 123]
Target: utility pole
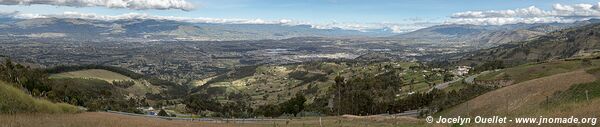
[587, 98]
[320, 122]
[547, 102]
[506, 104]
[468, 109]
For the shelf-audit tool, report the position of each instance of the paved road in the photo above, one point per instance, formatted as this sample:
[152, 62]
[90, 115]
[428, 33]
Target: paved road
[444, 85]
[411, 113]
[469, 80]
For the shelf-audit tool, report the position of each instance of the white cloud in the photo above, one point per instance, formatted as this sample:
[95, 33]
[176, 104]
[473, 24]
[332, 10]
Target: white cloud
[128, 16]
[365, 27]
[8, 13]
[131, 4]
[559, 13]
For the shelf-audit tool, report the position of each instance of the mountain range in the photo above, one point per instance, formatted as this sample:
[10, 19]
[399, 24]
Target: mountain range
[485, 36]
[479, 36]
[577, 42]
[154, 29]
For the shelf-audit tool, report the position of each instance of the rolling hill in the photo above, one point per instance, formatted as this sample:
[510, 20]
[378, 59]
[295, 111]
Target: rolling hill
[530, 71]
[520, 97]
[553, 89]
[139, 88]
[13, 100]
[93, 73]
[152, 29]
[273, 84]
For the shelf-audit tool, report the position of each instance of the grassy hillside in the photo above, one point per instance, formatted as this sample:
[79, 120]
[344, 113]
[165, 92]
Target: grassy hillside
[139, 88]
[108, 76]
[531, 71]
[13, 100]
[569, 102]
[521, 98]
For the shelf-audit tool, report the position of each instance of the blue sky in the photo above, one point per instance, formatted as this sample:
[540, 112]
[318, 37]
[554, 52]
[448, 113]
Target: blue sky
[398, 15]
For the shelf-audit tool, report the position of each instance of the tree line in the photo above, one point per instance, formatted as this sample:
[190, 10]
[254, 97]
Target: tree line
[240, 106]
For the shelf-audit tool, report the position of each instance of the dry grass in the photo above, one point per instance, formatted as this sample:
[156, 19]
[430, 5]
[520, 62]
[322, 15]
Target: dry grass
[101, 119]
[580, 109]
[519, 98]
[527, 72]
[108, 76]
[13, 100]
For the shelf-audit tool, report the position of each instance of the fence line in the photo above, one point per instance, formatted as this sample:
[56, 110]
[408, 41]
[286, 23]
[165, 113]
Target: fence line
[215, 120]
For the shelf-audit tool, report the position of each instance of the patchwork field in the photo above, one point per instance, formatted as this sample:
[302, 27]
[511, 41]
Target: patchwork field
[13, 100]
[270, 84]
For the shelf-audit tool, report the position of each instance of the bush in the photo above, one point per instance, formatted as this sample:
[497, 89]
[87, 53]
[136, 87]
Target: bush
[294, 105]
[163, 113]
[268, 110]
[123, 84]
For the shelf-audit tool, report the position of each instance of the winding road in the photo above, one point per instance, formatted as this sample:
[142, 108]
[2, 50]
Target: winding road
[469, 80]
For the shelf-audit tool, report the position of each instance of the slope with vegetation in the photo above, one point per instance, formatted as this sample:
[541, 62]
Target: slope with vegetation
[520, 97]
[14, 100]
[555, 75]
[530, 71]
[329, 87]
[486, 36]
[86, 88]
[579, 42]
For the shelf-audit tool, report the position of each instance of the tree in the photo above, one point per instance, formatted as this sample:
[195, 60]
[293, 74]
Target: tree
[201, 102]
[447, 77]
[268, 110]
[33, 80]
[294, 105]
[339, 84]
[163, 113]
[586, 62]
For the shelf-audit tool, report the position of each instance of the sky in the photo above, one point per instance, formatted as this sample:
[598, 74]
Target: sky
[400, 15]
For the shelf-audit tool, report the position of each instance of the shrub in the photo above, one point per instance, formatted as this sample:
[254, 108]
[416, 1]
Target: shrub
[163, 113]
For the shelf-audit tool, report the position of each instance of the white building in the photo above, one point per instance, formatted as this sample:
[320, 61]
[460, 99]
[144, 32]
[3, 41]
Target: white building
[462, 70]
